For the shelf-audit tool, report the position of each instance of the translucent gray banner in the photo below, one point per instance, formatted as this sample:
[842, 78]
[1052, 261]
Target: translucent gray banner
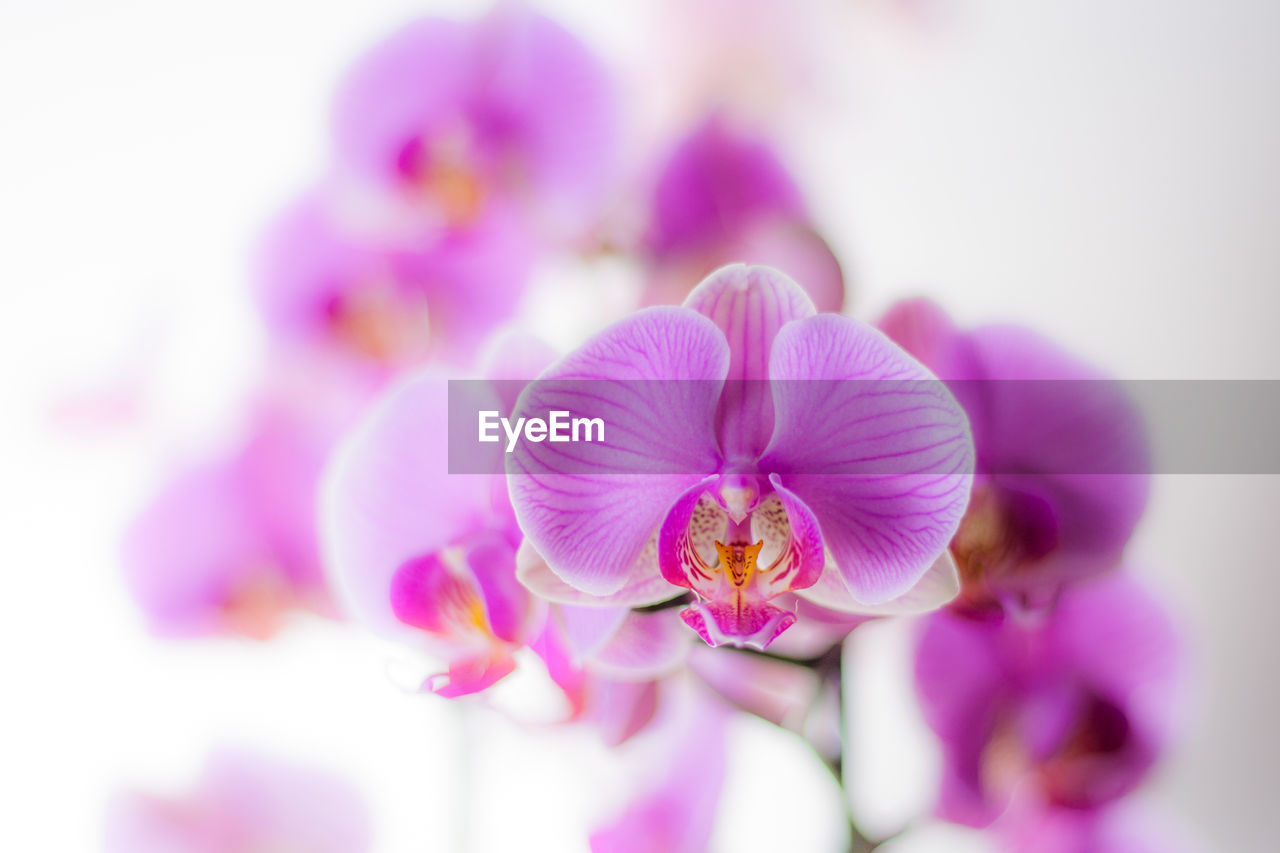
[1046, 426]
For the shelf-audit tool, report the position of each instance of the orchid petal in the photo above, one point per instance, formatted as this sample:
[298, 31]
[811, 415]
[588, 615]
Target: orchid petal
[430, 594]
[412, 84]
[749, 305]
[936, 588]
[774, 690]
[644, 646]
[738, 612]
[508, 606]
[620, 709]
[799, 252]
[672, 794]
[750, 623]
[644, 586]
[471, 675]
[687, 536]
[803, 563]
[1048, 425]
[925, 331]
[715, 184]
[1038, 438]
[1079, 699]
[185, 554]
[960, 684]
[388, 499]
[511, 354]
[592, 508]
[587, 629]
[548, 99]
[1115, 631]
[877, 449]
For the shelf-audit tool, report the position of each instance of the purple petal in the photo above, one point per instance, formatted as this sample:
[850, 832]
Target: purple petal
[675, 788]
[511, 104]
[715, 184]
[1037, 438]
[877, 450]
[805, 557]
[231, 545]
[936, 588]
[543, 98]
[799, 252]
[507, 604]
[592, 508]
[1113, 630]
[471, 675]
[751, 624]
[429, 594]
[923, 329]
[644, 646]
[378, 298]
[389, 499]
[587, 629]
[468, 591]
[280, 467]
[961, 686]
[725, 198]
[749, 305]
[685, 545]
[1042, 438]
[644, 586]
[1119, 829]
[472, 278]
[1078, 700]
[788, 553]
[620, 709]
[414, 83]
[779, 692]
[187, 553]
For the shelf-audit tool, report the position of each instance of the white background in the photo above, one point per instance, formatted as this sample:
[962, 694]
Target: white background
[1105, 171]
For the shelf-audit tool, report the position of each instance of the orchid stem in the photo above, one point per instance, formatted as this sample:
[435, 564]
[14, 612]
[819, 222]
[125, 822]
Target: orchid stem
[829, 667]
[831, 670]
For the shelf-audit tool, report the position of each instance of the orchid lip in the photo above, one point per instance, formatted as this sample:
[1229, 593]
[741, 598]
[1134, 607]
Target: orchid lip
[735, 566]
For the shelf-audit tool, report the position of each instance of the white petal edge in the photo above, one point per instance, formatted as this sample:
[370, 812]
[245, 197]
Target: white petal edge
[533, 572]
[937, 587]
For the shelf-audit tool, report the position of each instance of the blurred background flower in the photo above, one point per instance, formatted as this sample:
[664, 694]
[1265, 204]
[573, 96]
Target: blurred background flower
[243, 801]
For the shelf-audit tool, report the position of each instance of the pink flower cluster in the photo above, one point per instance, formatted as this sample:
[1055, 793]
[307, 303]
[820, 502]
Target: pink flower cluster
[777, 472]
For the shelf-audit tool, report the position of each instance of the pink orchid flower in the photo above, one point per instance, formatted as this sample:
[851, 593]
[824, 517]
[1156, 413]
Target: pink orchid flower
[420, 555]
[229, 546]
[431, 558]
[1075, 704]
[378, 302]
[723, 196]
[759, 448]
[1062, 458]
[454, 118]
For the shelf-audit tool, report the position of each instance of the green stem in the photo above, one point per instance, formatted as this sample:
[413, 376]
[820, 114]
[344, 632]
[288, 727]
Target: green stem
[829, 667]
